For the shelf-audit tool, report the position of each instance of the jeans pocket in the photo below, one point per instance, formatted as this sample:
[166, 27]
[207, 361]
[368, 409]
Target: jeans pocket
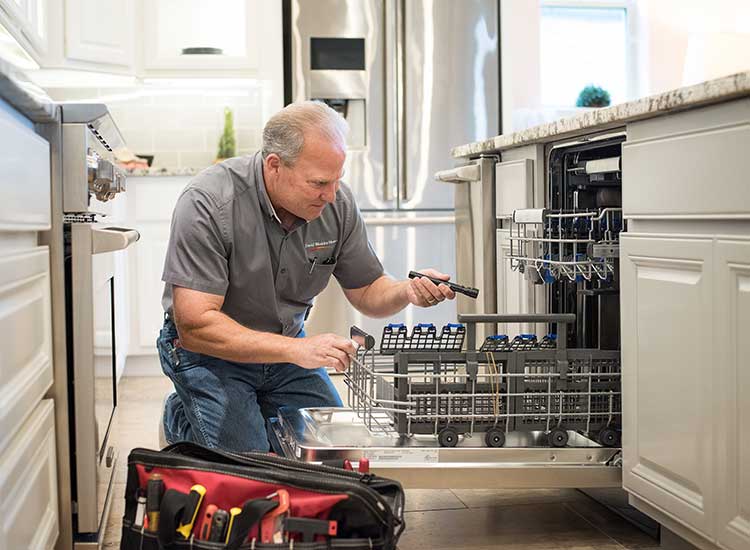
[176, 358]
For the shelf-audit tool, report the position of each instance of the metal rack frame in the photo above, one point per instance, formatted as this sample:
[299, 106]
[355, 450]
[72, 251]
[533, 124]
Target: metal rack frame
[539, 240]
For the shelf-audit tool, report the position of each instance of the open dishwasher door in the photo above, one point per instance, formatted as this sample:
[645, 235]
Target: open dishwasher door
[518, 413]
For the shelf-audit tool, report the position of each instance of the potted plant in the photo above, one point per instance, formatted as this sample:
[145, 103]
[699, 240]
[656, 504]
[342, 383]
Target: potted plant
[593, 96]
[227, 143]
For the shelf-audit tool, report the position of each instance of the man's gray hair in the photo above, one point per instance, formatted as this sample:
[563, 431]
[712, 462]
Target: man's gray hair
[284, 133]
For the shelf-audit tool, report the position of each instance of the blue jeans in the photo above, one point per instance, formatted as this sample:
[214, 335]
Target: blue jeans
[225, 404]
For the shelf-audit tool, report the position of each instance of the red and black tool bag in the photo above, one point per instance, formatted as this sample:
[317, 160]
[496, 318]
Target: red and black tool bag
[368, 509]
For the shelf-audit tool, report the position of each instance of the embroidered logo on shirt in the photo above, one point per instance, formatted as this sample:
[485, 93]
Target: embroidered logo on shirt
[316, 246]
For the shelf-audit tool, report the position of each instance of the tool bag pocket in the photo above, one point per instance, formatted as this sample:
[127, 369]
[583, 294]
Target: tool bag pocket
[264, 501]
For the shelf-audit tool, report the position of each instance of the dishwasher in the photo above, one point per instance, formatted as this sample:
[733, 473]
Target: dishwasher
[464, 407]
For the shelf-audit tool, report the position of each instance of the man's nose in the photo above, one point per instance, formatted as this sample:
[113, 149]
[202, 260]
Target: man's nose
[329, 193]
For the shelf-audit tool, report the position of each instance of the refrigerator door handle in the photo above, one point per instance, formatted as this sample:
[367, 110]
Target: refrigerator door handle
[401, 101]
[461, 174]
[392, 139]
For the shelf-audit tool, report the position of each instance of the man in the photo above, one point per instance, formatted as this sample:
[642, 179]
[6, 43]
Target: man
[253, 241]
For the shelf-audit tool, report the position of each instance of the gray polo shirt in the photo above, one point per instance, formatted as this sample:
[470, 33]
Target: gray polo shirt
[226, 239]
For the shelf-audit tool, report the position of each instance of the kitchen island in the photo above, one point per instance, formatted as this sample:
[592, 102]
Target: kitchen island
[684, 291]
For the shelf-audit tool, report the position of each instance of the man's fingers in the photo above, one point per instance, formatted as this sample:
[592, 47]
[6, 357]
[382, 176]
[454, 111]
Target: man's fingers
[346, 345]
[447, 292]
[432, 293]
[338, 359]
[422, 294]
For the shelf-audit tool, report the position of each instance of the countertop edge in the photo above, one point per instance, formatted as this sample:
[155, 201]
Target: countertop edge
[19, 91]
[705, 93]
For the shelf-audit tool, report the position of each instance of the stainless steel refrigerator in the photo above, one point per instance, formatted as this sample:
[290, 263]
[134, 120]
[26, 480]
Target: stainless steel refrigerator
[413, 78]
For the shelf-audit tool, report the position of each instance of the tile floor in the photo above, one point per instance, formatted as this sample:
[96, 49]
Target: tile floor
[538, 519]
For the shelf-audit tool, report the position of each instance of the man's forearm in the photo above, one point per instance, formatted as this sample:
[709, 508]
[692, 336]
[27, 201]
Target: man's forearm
[384, 297]
[218, 335]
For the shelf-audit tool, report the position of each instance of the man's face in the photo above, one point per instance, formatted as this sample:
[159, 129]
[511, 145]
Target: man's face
[305, 188]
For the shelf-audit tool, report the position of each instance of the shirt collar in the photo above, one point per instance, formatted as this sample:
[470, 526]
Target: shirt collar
[265, 201]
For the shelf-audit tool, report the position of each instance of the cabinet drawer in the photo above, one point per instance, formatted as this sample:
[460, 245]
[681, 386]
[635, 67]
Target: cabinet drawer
[28, 483]
[24, 175]
[690, 165]
[25, 337]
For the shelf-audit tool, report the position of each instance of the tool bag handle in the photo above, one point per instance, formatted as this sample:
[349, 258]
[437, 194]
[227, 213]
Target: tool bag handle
[472, 319]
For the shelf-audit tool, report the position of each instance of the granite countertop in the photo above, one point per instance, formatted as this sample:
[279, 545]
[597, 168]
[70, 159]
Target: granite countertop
[17, 89]
[705, 93]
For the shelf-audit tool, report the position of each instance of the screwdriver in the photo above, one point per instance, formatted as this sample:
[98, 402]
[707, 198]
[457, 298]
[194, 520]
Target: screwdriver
[233, 513]
[466, 290]
[191, 509]
[154, 494]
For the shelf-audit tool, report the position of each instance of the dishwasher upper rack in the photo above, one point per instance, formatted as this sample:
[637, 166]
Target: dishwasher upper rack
[550, 245]
[452, 393]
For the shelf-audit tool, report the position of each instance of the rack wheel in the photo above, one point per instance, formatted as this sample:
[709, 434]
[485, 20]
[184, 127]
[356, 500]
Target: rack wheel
[448, 437]
[494, 437]
[557, 437]
[609, 437]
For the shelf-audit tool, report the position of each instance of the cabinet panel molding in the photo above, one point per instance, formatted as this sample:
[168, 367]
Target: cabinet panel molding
[28, 482]
[25, 337]
[732, 321]
[668, 416]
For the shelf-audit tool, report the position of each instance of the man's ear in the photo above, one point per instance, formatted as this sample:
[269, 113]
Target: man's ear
[273, 163]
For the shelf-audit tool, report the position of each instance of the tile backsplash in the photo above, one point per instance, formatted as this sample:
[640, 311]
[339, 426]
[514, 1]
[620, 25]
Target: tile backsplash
[181, 126]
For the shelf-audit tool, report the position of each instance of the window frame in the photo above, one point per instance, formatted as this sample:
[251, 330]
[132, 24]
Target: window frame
[632, 52]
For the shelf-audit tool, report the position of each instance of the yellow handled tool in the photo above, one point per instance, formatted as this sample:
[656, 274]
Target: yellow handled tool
[233, 513]
[191, 509]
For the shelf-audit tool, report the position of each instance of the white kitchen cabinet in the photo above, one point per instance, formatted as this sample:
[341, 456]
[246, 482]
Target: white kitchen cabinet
[26, 20]
[100, 32]
[240, 28]
[28, 483]
[151, 201]
[732, 353]
[668, 379]
[25, 317]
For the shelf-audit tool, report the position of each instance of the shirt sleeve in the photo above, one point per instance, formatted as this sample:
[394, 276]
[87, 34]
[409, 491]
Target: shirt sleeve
[197, 252]
[357, 265]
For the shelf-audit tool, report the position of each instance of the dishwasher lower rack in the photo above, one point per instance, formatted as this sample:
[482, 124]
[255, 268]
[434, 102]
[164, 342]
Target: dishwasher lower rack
[453, 394]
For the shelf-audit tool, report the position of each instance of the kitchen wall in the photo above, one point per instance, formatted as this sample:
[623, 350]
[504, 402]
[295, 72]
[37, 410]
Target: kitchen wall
[674, 43]
[689, 42]
[180, 122]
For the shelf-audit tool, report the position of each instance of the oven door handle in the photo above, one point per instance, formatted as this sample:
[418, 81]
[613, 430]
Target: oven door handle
[109, 239]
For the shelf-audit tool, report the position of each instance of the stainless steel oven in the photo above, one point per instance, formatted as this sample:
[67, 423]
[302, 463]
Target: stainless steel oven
[90, 182]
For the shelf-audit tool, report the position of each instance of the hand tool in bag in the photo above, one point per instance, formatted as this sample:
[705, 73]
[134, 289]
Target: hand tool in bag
[250, 515]
[466, 290]
[308, 527]
[195, 498]
[140, 510]
[233, 513]
[218, 530]
[364, 465]
[208, 517]
[272, 524]
[154, 494]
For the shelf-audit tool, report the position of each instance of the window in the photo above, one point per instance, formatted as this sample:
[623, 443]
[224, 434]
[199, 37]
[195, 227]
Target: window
[583, 43]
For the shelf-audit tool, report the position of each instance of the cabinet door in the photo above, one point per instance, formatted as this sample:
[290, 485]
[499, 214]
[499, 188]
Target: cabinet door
[28, 483]
[99, 31]
[669, 370]
[732, 350]
[237, 27]
[25, 336]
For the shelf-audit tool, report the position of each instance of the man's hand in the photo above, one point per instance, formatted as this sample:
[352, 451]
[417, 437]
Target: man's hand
[324, 350]
[424, 293]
